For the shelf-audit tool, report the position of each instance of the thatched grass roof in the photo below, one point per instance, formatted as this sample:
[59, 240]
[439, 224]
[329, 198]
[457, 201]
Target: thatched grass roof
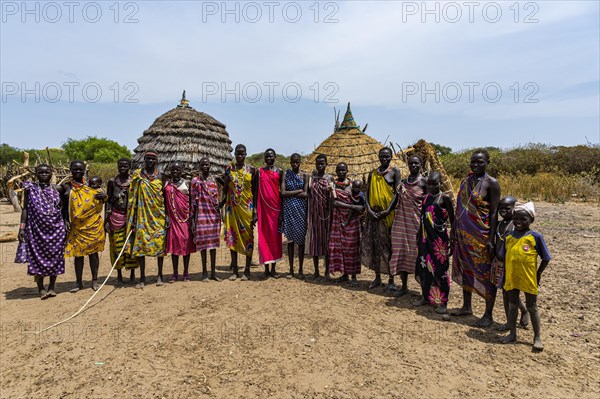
[349, 144]
[186, 135]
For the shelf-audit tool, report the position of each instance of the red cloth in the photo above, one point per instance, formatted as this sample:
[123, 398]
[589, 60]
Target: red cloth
[179, 235]
[269, 207]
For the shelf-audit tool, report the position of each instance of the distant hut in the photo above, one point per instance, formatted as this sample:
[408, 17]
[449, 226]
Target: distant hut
[350, 144]
[186, 135]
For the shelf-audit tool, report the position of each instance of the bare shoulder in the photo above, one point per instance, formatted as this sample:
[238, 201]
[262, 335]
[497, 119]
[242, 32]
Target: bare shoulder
[492, 182]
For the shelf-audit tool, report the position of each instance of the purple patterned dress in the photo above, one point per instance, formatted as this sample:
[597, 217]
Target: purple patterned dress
[45, 233]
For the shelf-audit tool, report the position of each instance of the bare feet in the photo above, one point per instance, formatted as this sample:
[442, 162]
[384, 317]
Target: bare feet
[266, 275]
[274, 275]
[537, 344]
[375, 283]
[524, 322]
[503, 327]
[119, 283]
[139, 285]
[315, 276]
[95, 285]
[342, 279]
[442, 309]
[461, 312]
[484, 322]
[300, 276]
[354, 283]
[509, 338]
[401, 291]
[421, 302]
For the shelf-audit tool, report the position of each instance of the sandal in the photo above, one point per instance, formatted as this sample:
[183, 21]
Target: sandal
[174, 278]
[186, 277]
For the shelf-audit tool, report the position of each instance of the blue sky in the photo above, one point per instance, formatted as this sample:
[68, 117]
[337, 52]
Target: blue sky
[496, 74]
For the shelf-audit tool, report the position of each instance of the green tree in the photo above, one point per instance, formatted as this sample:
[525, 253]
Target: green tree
[95, 149]
[8, 153]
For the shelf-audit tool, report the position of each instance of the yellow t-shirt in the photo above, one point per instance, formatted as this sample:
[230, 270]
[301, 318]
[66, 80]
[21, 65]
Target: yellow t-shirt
[521, 261]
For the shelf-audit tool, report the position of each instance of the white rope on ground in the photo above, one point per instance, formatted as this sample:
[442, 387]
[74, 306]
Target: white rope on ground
[94, 294]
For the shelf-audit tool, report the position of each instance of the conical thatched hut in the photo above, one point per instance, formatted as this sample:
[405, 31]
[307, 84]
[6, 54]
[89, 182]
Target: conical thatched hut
[186, 135]
[350, 144]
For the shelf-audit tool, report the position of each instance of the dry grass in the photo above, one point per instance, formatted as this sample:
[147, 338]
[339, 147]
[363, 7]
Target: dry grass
[550, 187]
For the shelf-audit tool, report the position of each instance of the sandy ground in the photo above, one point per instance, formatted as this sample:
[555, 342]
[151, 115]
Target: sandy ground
[290, 338]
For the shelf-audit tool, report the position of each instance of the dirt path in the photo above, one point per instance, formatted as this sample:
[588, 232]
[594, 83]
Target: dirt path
[290, 338]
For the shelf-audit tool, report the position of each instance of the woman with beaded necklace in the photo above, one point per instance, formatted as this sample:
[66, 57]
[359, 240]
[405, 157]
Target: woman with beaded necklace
[42, 231]
[239, 191]
[82, 207]
[146, 217]
[406, 225]
[179, 233]
[381, 199]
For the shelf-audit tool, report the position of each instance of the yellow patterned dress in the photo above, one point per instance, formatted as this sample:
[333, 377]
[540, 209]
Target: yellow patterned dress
[238, 233]
[146, 213]
[376, 245]
[86, 236]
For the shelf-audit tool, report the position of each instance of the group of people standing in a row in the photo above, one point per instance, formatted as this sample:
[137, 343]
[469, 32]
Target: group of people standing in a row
[394, 226]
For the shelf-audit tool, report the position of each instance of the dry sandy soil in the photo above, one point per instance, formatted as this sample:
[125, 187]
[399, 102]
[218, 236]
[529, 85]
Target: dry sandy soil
[291, 338]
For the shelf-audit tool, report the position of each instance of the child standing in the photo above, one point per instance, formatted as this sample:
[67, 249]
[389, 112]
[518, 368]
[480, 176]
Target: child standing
[505, 227]
[431, 269]
[523, 246]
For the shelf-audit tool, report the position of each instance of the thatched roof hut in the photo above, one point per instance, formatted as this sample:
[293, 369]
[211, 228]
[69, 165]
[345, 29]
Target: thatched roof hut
[350, 144]
[186, 135]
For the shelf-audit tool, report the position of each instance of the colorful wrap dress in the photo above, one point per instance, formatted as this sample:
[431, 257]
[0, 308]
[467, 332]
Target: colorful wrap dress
[117, 234]
[205, 204]
[433, 252]
[179, 234]
[471, 262]
[146, 213]
[344, 241]
[295, 210]
[405, 228]
[86, 236]
[376, 246]
[319, 214]
[44, 246]
[239, 205]
[268, 210]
